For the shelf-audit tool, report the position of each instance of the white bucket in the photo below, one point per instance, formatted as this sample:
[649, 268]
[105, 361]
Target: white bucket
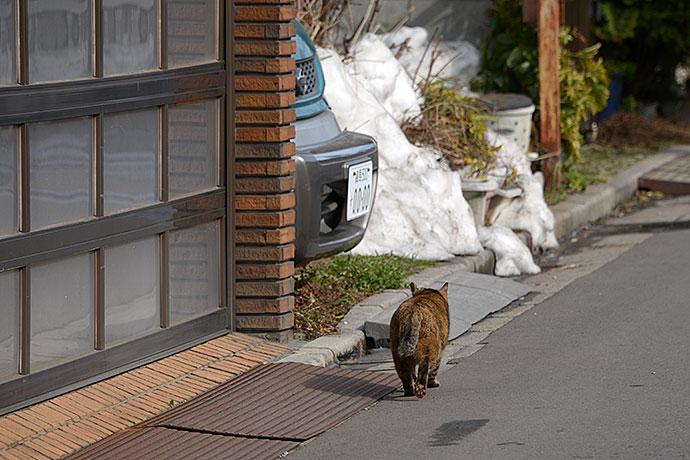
[514, 123]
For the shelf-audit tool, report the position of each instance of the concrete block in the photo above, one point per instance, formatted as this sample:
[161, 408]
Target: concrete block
[428, 276]
[464, 352]
[491, 323]
[501, 286]
[386, 298]
[357, 316]
[514, 311]
[484, 262]
[471, 297]
[313, 359]
[345, 345]
[472, 338]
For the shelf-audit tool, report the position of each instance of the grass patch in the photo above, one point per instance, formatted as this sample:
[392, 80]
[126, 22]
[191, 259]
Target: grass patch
[623, 140]
[326, 290]
[597, 164]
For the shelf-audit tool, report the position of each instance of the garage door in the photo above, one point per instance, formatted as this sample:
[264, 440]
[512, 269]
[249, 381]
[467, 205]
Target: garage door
[112, 195]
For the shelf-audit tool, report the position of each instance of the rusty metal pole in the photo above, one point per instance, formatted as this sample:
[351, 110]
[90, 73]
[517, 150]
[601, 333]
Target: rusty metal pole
[549, 95]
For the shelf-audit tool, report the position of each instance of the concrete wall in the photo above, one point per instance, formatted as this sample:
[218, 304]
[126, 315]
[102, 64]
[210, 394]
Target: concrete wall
[457, 19]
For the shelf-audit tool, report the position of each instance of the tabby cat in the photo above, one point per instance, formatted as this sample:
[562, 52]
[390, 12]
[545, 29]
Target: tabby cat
[419, 333]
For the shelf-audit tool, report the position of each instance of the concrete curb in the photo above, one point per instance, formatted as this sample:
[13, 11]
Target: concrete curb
[350, 342]
[600, 199]
[596, 202]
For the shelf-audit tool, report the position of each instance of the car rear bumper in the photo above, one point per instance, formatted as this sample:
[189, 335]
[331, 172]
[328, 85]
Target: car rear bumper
[322, 227]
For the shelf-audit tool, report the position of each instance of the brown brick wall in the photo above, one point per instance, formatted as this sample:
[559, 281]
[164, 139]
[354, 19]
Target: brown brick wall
[264, 182]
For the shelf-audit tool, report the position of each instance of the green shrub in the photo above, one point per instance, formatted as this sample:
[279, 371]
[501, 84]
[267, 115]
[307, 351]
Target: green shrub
[510, 64]
[509, 52]
[584, 88]
[454, 126]
[646, 40]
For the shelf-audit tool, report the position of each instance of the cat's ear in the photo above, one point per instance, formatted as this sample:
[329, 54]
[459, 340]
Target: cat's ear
[444, 288]
[413, 288]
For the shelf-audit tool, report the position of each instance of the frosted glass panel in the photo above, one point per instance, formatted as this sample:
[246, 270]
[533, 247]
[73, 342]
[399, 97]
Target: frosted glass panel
[8, 180]
[61, 310]
[9, 324]
[192, 32]
[60, 153]
[192, 147]
[59, 39]
[193, 255]
[132, 289]
[130, 155]
[129, 36]
[8, 61]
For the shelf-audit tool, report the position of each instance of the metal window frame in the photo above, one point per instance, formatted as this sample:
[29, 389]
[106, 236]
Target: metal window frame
[27, 103]
[77, 98]
[229, 159]
[22, 31]
[21, 249]
[97, 39]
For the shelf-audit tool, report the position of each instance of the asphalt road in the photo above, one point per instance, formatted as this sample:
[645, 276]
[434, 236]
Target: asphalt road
[599, 370]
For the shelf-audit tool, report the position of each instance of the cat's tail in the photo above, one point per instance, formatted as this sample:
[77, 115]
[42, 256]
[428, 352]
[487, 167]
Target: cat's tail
[409, 335]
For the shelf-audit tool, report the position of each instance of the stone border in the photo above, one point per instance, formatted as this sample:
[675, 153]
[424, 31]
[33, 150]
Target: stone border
[600, 199]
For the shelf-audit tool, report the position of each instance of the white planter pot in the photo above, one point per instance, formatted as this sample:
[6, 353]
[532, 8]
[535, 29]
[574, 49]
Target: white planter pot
[500, 201]
[514, 123]
[512, 116]
[475, 193]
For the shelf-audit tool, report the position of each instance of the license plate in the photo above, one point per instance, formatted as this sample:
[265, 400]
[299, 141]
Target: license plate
[359, 189]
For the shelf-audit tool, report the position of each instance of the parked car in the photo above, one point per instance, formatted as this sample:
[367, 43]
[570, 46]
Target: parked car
[336, 170]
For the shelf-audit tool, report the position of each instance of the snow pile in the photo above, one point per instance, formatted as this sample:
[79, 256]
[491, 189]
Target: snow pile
[512, 257]
[457, 62]
[419, 209]
[528, 212]
[382, 75]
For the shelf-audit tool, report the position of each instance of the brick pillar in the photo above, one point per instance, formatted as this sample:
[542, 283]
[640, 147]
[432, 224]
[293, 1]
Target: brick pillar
[265, 197]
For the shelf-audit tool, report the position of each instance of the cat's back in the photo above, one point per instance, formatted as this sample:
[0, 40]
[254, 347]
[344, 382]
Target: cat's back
[432, 302]
[426, 305]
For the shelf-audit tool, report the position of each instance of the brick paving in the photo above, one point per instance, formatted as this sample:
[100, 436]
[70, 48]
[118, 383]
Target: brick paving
[672, 178]
[65, 424]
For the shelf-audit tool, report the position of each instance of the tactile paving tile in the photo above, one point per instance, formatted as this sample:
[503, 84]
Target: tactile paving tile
[171, 444]
[287, 401]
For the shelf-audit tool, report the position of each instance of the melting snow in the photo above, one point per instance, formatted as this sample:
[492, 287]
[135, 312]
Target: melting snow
[457, 62]
[419, 210]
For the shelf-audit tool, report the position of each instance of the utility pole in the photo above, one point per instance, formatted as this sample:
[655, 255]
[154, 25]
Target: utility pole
[549, 94]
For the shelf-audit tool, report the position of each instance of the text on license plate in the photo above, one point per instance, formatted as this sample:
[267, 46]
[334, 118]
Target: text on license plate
[359, 189]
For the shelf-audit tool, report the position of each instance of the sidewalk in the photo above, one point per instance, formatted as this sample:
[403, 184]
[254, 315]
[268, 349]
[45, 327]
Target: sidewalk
[66, 424]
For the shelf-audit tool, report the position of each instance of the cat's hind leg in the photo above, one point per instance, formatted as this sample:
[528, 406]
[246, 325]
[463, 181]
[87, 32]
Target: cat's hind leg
[422, 379]
[406, 375]
[433, 382]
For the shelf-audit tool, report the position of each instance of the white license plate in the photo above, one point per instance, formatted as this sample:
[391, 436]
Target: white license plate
[359, 189]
